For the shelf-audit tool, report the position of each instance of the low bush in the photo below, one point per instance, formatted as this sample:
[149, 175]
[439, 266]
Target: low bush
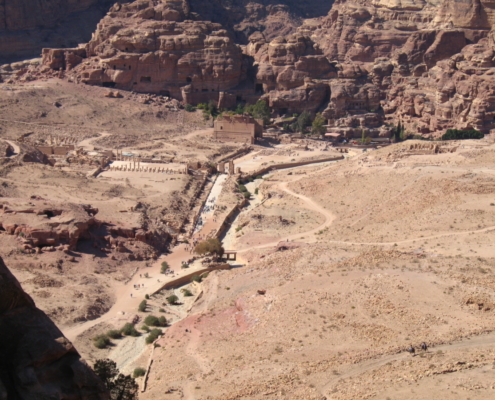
[114, 334]
[145, 328]
[142, 306]
[151, 320]
[138, 372]
[172, 299]
[129, 330]
[147, 296]
[242, 188]
[153, 335]
[187, 292]
[189, 108]
[101, 341]
[196, 278]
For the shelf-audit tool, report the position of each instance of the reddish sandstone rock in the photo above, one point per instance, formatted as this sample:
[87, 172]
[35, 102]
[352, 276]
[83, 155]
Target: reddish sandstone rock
[37, 360]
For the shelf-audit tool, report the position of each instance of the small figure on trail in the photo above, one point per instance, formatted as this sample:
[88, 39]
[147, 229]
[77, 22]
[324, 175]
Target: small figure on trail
[131, 294]
[411, 349]
[424, 346]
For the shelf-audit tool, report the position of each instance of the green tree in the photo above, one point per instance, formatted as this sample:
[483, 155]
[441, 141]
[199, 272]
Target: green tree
[209, 246]
[260, 110]
[318, 126]
[303, 121]
[142, 306]
[172, 299]
[164, 267]
[455, 134]
[138, 372]
[121, 387]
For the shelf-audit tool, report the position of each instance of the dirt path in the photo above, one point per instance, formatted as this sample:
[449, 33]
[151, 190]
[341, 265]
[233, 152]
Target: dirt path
[478, 342]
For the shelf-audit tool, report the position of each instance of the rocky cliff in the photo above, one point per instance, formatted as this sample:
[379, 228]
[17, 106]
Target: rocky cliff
[364, 64]
[37, 361]
[28, 25]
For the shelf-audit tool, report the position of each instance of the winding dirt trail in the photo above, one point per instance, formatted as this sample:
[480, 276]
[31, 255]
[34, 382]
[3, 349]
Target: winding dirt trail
[478, 342]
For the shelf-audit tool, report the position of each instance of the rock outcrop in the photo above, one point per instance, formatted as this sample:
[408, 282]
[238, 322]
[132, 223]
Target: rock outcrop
[365, 65]
[37, 361]
[28, 25]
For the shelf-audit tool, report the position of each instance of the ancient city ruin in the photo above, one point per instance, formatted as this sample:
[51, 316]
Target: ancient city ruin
[247, 200]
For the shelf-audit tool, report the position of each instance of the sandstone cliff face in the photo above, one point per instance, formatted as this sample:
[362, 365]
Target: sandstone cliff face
[158, 49]
[28, 25]
[365, 65]
[37, 362]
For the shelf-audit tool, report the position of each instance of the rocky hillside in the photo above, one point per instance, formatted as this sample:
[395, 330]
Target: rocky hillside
[28, 25]
[37, 360]
[366, 65]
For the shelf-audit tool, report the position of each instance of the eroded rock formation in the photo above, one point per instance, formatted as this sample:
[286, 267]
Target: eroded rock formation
[37, 361]
[28, 25]
[365, 65]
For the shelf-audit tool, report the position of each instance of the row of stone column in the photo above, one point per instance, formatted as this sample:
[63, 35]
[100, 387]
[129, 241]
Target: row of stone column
[131, 168]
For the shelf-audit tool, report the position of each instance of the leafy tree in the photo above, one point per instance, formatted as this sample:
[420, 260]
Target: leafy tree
[142, 306]
[196, 278]
[114, 334]
[186, 292]
[260, 110]
[455, 134]
[121, 387]
[153, 335]
[172, 299]
[240, 109]
[318, 126]
[164, 267]
[209, 246]
[303, 121]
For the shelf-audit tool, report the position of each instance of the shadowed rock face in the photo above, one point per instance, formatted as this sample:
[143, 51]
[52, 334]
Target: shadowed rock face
[37, 361]
[26, 26]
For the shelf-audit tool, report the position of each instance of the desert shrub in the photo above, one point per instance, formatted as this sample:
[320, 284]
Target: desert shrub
[256, 191]
[129, 330]
[172, 299]
[303, 121]
[147, 296]
[142, 306]
[456, 134]
[145, 328]
[242, 188]
[165, 267]
[246, 195]
[196, 278]
[162, 321]
[209, 246]
[187, 292]
[138, 372]
[153, 335]
[101, 341]
[161, 310]
[114, 334]
[259, 177]
[189, 108]
[151, 320]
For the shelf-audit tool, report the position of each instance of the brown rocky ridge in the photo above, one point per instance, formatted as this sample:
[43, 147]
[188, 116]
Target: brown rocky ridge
[37, 360]
[363, 65]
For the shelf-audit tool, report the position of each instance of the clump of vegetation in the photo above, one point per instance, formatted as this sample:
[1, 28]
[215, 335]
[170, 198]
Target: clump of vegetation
[138, 372]
[196, 278]
[164, 267]
[260, 110]
[209, 246]
[142, 306]
[145, 328]
[114, 334]
[318, 126]
[101, 341]
[455, 134]
[147, 296]
[120, 387]
[189, 108]
[153, 335]
[186, 292]
[151, 320]
[172, 299]
[209, 110]
[129, 330]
